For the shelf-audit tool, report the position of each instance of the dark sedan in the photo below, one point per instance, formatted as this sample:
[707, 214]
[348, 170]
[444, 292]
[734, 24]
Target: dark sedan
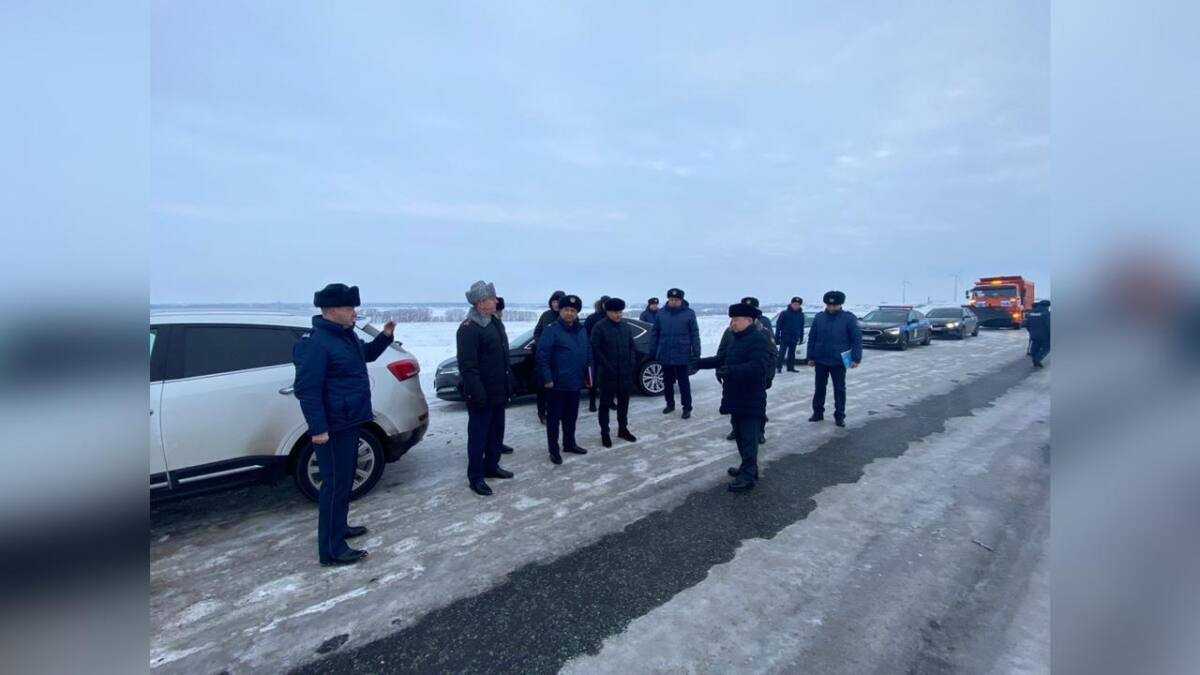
[957, 322]
[649, 378]
[895, 326]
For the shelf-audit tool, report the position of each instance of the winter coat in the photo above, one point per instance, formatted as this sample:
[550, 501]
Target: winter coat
[765, 322]
[331, 376]
[564, 356]
[648, 316]
[745, 367]
[727, 339]
[676, 336]
[1037, 322]
[789, 327]
[615, 356]
[832, 334]
[593, 319]
[483, 368]
[548, 317]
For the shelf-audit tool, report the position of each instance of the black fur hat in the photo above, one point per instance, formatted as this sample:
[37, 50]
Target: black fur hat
[674, 293]
[570, 301]
[337, 295]
[614, 305]
[499, 304]
[556, 295]
[744, 309]
[750, 300]
[834, 298]
[798, 300]
[652, 301]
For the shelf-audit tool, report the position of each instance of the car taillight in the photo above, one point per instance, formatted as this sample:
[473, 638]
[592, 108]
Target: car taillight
[404, 369]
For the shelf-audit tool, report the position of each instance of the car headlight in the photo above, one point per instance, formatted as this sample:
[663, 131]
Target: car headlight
[892, 331]
[952, 324]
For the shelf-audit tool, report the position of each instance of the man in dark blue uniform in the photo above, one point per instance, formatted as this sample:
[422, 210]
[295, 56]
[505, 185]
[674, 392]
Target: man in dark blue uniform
[564, 357]
[833, 332]
[548, 317]
[335, 396]
[1037, 322]
[789, 332]
[648, 315]
[744, 368]
[675, 343]
[486, 377]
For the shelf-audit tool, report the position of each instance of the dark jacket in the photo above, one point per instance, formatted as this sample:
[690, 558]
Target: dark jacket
[765, 322]
[789, 327]
[615, 356]
[745, 367]
[593, 319]
[832, 334]
[648, 316]
[331, 376]
[564, 355]
[548, 317]
[727, 339]
[1037, 322]
[483, 363]
[676, 336]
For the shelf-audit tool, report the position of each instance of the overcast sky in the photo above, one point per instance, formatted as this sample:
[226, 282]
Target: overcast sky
[622, 148]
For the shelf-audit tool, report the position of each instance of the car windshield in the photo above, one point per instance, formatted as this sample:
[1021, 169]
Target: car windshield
[945, 313]
[997, 292]
[887, 316]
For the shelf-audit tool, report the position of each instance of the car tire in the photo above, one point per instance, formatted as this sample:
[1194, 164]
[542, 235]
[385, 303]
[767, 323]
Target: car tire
[650, 380]
[975, 333]
[367, 473]
[928, 338]
[902, 342]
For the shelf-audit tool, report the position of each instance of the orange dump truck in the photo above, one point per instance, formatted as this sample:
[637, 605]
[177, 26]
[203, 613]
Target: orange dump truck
[1001, 301]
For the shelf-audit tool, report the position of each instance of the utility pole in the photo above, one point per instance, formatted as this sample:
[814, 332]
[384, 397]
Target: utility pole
[904, 292]
[956, 288]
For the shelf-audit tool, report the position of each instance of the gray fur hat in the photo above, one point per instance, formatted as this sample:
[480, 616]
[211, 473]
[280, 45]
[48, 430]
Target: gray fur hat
[480, 290]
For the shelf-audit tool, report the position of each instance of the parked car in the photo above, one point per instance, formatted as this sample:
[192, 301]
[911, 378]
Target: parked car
[649, 378]
[956, 322]
[895, 326]
[222, 411]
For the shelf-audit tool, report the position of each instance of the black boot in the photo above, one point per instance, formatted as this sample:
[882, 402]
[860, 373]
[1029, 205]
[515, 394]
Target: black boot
[605, 439]
[669, 409]
[840, 421]
[741, 485]
[481, 488]
[816, 417]
[577, 450]
[555, 458]
[498, 472]
[348, 558]
[506, 450]
[733, 471]
[687, 414]
[353, 531]
[625, 435]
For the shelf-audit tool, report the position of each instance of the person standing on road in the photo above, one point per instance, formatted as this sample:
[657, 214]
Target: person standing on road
[1037, 322]
[564, 356]
[548, 317]
[789, 332]
[588, 324]
[616, 357]
[334, 391]
[833, 332]
[676, 345]
[744, 370]
[761, 323]
[651, 311]
[486, 379]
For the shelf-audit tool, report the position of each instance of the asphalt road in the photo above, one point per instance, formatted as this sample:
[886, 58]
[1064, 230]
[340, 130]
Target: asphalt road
[914, 541]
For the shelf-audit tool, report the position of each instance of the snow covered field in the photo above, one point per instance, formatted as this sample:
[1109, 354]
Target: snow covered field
[235, 584]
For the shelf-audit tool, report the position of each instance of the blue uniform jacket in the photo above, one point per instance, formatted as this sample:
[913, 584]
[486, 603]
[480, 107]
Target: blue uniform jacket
[331, 376]
[564, 355]
[832, 334]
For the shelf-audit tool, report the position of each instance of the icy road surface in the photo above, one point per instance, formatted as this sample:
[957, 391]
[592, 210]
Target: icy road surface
[916, 539]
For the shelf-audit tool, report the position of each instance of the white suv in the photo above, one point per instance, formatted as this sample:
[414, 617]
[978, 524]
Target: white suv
[222, 409]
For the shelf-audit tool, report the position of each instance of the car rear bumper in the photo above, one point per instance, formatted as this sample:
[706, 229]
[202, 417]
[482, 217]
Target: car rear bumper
[400, 443]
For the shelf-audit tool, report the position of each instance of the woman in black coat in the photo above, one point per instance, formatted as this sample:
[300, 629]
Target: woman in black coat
[615, 356]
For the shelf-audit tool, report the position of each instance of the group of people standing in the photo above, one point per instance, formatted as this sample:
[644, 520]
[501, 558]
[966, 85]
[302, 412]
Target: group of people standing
[334, 389]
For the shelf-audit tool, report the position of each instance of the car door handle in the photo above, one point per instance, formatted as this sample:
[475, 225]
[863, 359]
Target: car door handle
[287, 391]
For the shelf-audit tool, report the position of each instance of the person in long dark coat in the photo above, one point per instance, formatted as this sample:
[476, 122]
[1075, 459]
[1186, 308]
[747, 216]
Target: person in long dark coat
[833, 332]
[615, 356]
[486, 381]
[564, 358]
[548, 317]
[743, 370]
[334, 391]
[762, 323]
[1037, 323]
[588, 324]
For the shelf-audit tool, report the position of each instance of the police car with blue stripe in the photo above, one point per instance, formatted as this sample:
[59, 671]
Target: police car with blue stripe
[895, 326]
